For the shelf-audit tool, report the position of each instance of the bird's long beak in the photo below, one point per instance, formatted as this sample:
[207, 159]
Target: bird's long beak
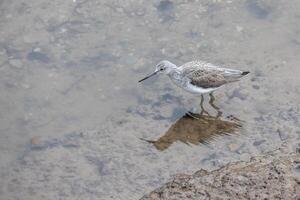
[150, 75]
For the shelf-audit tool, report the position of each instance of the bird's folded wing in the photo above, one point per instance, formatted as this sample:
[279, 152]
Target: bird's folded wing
[207, 79]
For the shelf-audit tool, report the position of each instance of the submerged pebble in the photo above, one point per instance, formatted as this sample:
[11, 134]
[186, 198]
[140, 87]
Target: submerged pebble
[16, 63]
[233, 147]
[38, 56]
[282, 134]
[258, 142]
[35, 140]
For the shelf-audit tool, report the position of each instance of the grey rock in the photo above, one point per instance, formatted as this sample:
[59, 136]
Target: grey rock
[255, 87]
[166, 10]
[38, 56]
[16, 63]
[298, 149]
[283, 135]
[3, 58]
[258, 9]
[258, 142]
[165, 6]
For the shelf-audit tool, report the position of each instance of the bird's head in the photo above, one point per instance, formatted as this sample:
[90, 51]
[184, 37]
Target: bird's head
[164, 67]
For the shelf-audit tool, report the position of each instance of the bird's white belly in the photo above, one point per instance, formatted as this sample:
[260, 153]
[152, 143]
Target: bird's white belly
[191, 88]
[197, 90]
[186, 85]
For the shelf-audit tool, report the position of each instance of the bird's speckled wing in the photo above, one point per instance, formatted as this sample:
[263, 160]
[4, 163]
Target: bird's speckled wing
[206, 75]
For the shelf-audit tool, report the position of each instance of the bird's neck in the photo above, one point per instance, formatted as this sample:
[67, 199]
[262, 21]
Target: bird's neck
[174, 72]
[175, 76]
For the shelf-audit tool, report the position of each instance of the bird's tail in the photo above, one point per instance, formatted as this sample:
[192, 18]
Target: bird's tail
[235, 73]
[245, 73]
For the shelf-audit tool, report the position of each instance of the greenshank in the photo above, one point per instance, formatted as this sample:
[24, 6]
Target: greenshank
[198, 77]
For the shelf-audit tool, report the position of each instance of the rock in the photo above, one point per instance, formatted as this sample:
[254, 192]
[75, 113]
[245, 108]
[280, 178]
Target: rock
[35, 140]
[283, 135]
[268, 177]
[165, 6]
[255, 87]
[233, 147]
[140, 12]
[258, 142]
[239, 28]
[258, 8]
[297, 168]
[298, 149]
[3, 57]
[36, 55]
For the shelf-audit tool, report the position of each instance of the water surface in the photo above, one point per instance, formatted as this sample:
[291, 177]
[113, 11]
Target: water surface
[75, 124]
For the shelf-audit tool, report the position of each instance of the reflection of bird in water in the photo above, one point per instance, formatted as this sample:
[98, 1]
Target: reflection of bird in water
[195, 131]
[198, 77]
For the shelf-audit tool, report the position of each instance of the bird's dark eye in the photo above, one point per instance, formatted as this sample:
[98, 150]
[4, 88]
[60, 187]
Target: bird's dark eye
[161, 69]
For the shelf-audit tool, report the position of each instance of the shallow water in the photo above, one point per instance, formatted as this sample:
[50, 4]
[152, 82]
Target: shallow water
[75, 124]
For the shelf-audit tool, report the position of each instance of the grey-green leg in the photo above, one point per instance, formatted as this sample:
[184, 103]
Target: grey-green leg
[211, 102]
[202, 107]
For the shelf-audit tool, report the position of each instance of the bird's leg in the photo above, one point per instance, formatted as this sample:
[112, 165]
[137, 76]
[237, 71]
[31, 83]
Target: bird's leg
[211, 102]
[201, 106]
